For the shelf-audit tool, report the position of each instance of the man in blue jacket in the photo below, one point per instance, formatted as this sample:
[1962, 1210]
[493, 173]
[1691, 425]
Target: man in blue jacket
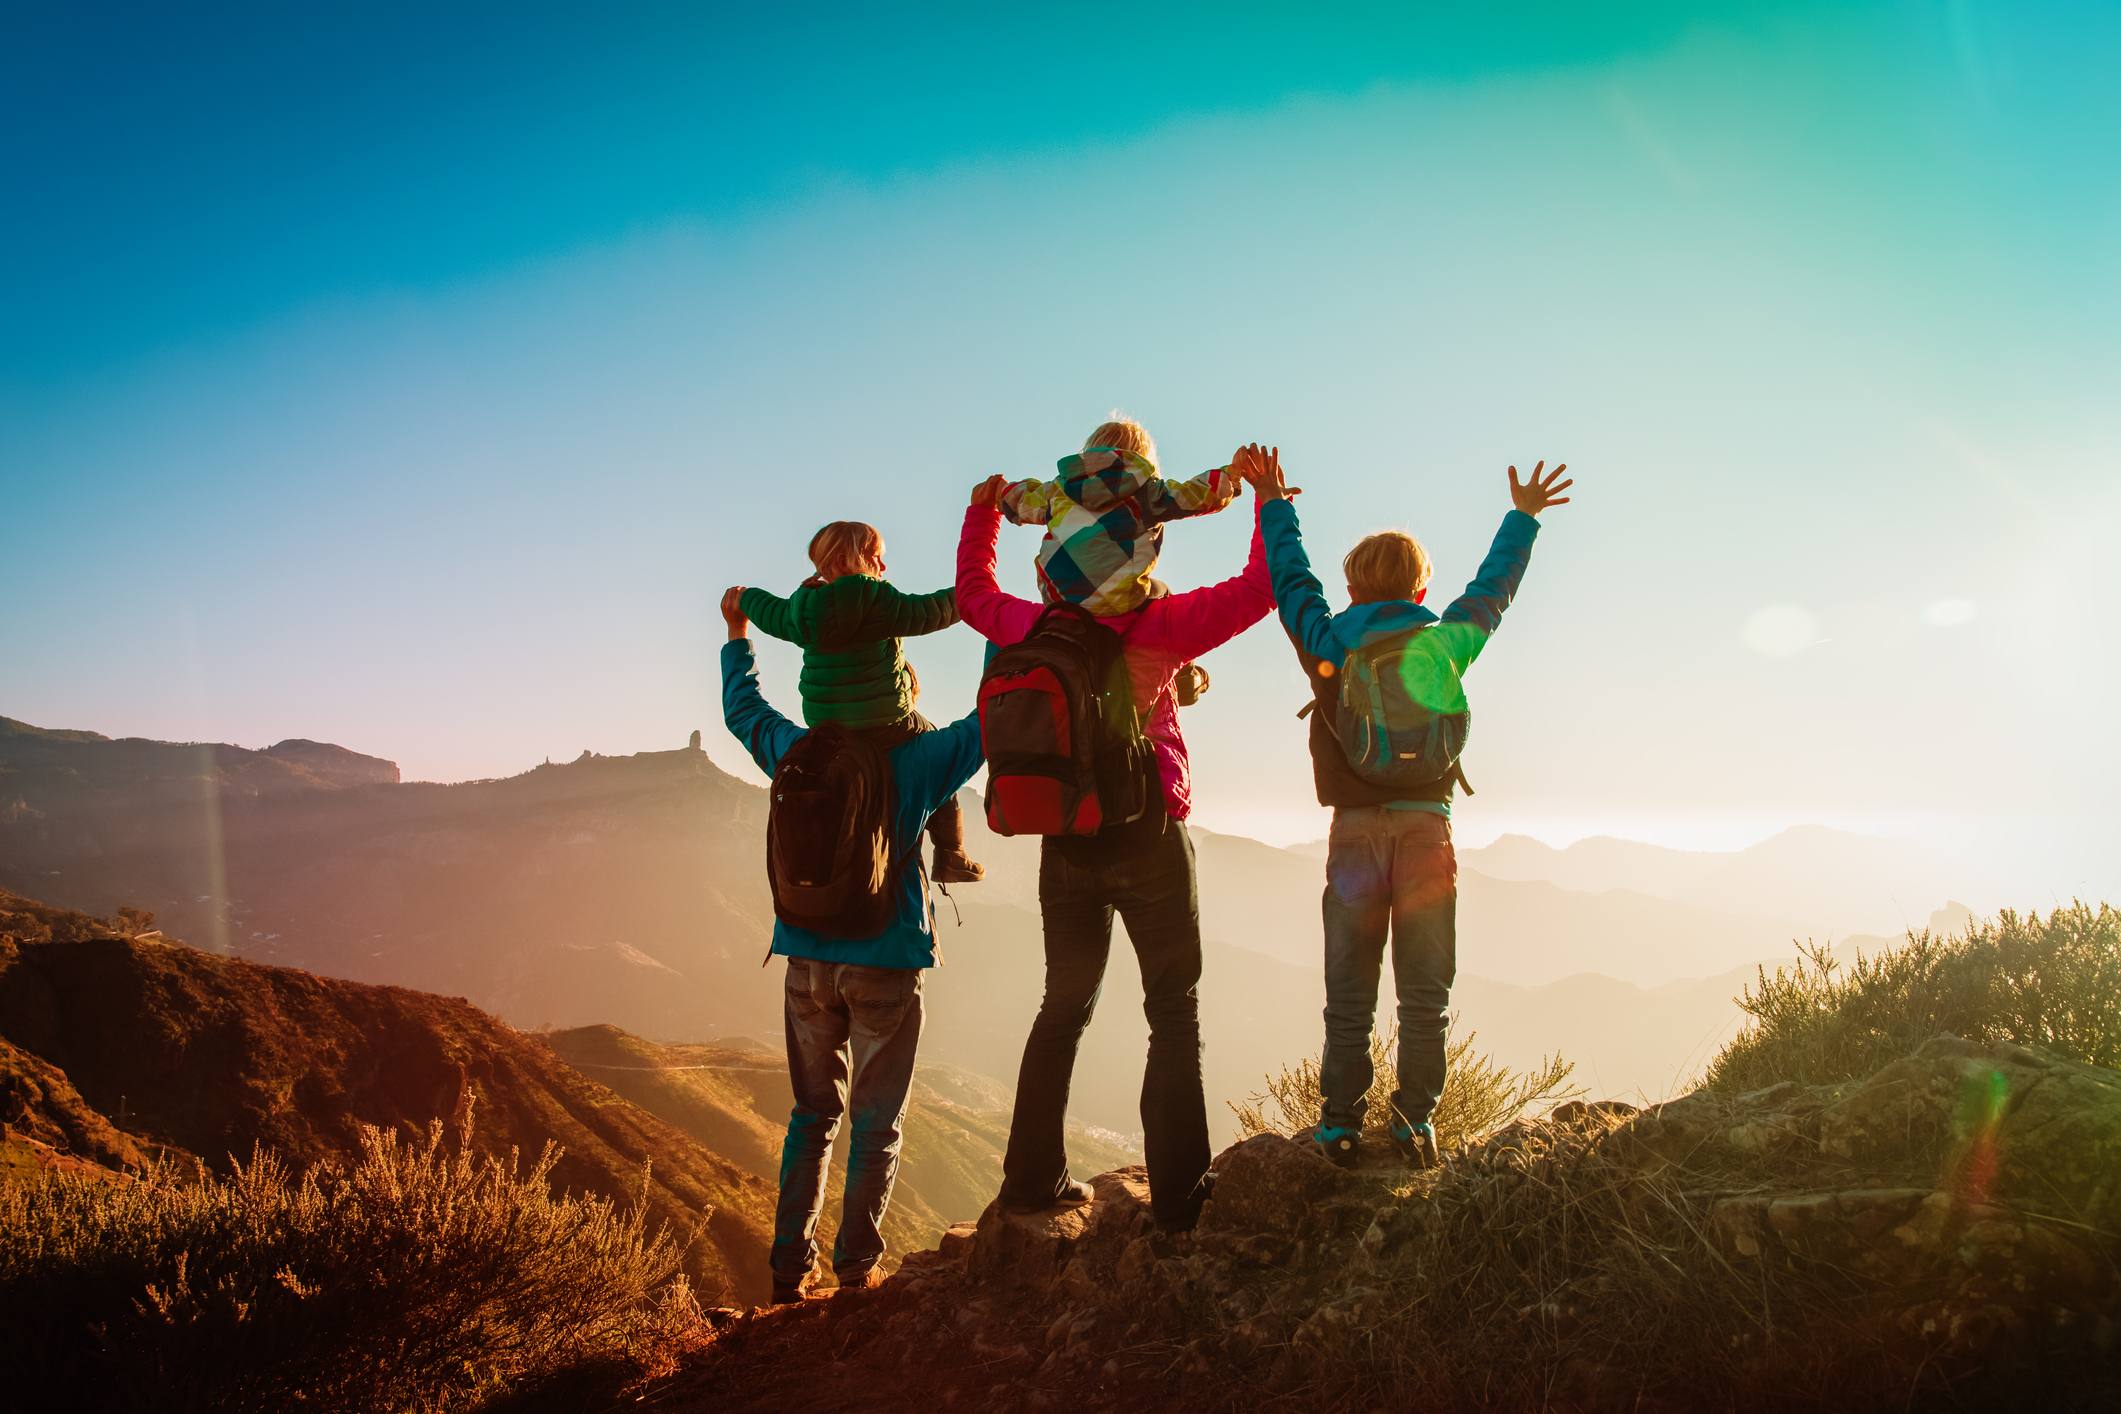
[853, 1007]
[1389, 861]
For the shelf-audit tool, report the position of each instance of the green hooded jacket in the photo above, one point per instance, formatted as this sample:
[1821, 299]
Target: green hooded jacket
[849, 631]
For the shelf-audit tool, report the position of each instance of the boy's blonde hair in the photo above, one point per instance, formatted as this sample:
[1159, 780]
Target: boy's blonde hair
[844, 547]
[1388, 565]
[1123, 434]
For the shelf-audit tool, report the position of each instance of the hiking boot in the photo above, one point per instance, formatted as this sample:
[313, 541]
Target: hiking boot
[1072, 1195]
[1342, 1147]
[867, 1281]
[954, 866]
[785, 1295]
[1417, 1142]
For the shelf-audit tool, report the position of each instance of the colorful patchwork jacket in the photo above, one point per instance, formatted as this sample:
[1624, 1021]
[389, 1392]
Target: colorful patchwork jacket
[1104, 518]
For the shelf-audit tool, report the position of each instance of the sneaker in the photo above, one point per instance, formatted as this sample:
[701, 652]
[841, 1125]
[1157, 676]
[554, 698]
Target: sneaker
[954, 866]
[1341, 1147]
[1417, 1142]
[1072, 1195]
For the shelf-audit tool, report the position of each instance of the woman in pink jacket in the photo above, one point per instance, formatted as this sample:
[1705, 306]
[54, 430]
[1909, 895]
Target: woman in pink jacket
[1143, 869]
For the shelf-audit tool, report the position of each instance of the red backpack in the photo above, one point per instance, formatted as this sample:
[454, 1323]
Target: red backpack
[1065, 749]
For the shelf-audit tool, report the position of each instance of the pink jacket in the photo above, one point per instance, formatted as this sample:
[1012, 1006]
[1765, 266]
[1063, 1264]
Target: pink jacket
[1161, 637]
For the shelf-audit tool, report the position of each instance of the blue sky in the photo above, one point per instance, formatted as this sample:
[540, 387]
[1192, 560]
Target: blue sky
[415, 379]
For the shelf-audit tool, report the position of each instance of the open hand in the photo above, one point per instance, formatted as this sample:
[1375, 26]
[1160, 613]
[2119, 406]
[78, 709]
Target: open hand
[989, 492]
[1262, 467]
[733, 613]
[1535, 495]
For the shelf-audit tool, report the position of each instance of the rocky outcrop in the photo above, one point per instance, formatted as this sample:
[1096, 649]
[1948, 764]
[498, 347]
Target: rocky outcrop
[1944, 1229]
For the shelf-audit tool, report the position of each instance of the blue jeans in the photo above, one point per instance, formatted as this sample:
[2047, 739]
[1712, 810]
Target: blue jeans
[852, 1033]
[1387, 871]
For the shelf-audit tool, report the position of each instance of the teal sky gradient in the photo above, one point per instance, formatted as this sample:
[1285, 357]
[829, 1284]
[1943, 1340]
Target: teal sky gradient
[418, 384]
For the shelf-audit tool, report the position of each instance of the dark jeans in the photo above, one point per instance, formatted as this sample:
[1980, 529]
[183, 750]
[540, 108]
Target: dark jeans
[1145, 871]
[852, 1032]
[1387, 870]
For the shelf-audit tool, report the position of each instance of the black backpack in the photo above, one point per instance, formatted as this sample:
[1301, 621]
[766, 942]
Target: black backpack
[1065, 749]
[830, 852]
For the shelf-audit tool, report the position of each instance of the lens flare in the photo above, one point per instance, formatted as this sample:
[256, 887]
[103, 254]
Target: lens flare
[1982, 1101]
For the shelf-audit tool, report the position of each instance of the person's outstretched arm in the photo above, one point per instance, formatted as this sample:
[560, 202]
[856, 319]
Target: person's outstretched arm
[1163, 499]
[997, 616]
[765, 733]
[1475, 615]
[1026, 502]
[1206, 618]
[894, 614]
[773, 615]
[1305, 614]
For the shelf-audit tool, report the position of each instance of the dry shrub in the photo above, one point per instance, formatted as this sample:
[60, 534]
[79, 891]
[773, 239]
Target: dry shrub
[2054, 983]
[1479, 1094]
[420, 1279]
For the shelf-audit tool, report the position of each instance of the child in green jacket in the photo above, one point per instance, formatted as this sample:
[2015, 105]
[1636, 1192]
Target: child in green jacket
[848, 621]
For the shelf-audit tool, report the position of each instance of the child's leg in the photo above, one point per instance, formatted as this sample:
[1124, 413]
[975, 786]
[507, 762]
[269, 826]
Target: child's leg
[1358, 910]
[1424, 956]
[946, 830]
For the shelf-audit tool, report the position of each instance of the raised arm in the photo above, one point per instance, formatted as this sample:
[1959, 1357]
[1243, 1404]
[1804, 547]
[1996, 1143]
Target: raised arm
[1205, 618]
[1297, 593]
[893, 614]
[771, 614]
[763, 732]
[1028, 502]
[1501, 572]
[999, 617]
[1477, 613]
[1162, 499]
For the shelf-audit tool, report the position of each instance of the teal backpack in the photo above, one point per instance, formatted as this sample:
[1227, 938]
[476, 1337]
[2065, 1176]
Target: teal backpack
[1400, 713]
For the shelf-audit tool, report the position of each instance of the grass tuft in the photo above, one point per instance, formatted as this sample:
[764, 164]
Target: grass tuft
[420, 1278]
[1479, 1094]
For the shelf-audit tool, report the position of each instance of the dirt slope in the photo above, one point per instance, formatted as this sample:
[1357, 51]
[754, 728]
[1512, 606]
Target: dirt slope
[211, 1056]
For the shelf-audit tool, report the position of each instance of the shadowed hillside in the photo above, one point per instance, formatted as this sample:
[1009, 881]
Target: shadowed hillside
[210, 1057]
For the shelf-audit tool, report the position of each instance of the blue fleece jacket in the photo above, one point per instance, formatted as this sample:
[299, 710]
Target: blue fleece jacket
[928, 770]
[1322, 636]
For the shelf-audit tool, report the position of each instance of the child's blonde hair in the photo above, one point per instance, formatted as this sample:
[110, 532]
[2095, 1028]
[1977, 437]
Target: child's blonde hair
[845, 547]
[1388, 565]
[1123, 433]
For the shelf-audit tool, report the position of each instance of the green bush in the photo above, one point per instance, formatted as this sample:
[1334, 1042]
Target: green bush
[2054, 983]
[420, 1279]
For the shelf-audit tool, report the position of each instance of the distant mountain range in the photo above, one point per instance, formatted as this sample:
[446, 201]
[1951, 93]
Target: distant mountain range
[630, 892]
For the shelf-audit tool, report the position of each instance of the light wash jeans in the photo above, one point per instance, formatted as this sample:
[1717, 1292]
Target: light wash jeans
[852, 1034]
[1387, 871]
